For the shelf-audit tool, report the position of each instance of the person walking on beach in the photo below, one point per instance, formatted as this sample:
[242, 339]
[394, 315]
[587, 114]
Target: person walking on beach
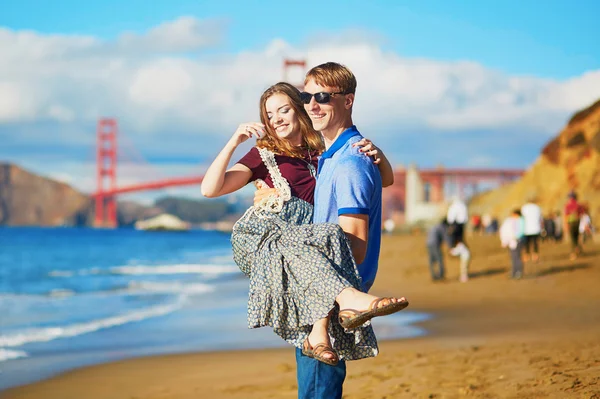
[558, 226]
[586, 228]
[436, 236]
[533, 221]
[461, 250]
[511, 234]
[298, 271]
[572, 215]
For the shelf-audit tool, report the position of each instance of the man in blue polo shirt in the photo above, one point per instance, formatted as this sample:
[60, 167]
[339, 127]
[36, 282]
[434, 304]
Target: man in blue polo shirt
[348, 192]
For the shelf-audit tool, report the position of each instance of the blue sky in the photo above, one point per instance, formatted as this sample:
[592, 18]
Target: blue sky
[551, 39]
[466, 84]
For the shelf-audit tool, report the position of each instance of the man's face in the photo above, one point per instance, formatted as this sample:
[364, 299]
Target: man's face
[329, 116]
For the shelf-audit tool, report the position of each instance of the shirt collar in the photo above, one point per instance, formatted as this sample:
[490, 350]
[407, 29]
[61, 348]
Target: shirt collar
[340, 141]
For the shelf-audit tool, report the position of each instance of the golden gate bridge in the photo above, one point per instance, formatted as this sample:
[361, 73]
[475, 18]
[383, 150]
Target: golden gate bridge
[107, 189]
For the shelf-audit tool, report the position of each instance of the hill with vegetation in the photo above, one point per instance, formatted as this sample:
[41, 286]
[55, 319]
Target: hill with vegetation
[27, 199]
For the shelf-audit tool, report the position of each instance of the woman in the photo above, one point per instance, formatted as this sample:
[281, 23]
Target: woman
[298, 271]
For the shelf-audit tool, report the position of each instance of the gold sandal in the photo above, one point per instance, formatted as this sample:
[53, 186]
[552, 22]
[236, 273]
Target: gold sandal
[316, 352]
[352, 318]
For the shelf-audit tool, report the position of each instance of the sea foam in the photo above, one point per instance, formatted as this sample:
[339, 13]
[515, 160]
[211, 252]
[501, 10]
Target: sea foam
[51, 333]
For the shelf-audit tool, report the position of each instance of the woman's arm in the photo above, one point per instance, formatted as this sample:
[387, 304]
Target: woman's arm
[217, 180]
[379, 158]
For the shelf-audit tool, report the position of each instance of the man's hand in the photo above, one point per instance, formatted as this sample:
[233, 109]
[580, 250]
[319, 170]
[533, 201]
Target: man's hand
[263, 192]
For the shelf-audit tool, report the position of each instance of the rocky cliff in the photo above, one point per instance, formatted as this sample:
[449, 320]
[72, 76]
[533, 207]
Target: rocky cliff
[570, 161]
[27, 199]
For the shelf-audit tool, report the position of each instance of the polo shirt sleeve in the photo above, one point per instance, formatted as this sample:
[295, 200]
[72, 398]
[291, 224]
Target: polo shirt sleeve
[354, 186]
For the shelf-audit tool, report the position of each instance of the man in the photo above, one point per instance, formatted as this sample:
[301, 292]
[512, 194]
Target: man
[532, 219]
[436, 236]
[348, 192]
[511, 234]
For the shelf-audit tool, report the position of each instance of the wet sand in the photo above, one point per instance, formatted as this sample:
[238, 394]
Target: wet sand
[491, 337]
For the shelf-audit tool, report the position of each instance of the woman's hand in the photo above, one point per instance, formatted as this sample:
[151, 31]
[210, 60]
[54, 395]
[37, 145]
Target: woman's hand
[385, 168]
[368, 148]
[246, 131]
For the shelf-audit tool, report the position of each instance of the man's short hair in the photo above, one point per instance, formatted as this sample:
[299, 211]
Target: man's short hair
[332, 74]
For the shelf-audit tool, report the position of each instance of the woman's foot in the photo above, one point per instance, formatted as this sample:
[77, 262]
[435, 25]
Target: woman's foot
[318, 345]
[357, 307]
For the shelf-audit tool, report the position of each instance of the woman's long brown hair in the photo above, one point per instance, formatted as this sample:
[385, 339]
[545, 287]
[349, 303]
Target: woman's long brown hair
[310, 137]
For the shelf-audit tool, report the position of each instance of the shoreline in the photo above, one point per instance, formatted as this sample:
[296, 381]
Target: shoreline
[491, 336]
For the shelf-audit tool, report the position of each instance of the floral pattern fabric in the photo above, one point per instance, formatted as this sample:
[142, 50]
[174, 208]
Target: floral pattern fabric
[296, 270]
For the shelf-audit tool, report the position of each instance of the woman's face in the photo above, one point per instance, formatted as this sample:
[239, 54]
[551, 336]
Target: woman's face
[283, 118]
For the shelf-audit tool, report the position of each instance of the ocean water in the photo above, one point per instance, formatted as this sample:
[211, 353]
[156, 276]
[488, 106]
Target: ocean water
[71, 297]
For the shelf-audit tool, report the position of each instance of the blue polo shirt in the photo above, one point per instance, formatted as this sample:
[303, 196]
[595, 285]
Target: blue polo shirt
[349, 183]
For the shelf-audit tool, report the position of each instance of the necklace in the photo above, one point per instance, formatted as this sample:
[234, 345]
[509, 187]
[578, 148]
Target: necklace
[309, 165]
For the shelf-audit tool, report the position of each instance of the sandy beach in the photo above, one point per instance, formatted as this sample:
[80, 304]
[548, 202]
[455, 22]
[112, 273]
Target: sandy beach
[491, 337]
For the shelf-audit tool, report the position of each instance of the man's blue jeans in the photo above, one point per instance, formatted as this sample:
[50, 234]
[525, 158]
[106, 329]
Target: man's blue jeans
[317, 380]
[436, 258]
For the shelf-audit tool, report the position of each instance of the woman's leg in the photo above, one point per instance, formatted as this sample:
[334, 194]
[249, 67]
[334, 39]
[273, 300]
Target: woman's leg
[320, 335]
[351, 298]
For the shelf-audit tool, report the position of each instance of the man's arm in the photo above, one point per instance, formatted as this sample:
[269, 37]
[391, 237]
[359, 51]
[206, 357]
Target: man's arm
[356, 228]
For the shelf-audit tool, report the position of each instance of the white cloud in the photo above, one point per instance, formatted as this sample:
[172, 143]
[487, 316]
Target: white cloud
[181, 35]
[151, 84]
[171, 99]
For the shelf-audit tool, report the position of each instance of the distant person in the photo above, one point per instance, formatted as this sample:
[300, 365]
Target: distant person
[298, 270]
[486, 221]
[572, 218]
[511, 234]
[476, 223]
[549, 230]
[558, 226]
[532, 219]
[464, 254]
[586, 230]
[457, 217]
[389, 225]
[493, 227]
[436, 236]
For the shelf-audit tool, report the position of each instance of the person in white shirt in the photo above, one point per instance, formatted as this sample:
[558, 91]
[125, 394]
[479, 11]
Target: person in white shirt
[462, 251]
[586, 229]
[457, 218]
[533, 222]
[511, 233]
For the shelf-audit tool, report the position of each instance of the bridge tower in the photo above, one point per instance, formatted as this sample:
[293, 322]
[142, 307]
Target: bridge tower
[106, 164]
[289, 64]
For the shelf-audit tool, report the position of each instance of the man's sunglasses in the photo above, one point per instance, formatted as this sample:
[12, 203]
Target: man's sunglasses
[322, 97]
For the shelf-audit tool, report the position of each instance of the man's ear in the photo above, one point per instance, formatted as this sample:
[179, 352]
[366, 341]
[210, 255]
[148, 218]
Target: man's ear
[349, 101]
